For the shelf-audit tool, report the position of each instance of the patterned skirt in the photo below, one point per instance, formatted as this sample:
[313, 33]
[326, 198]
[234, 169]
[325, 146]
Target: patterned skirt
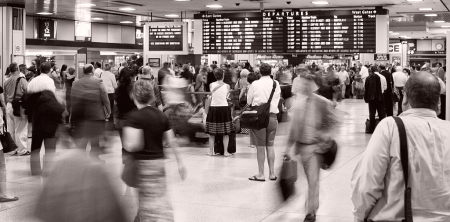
[218, 121]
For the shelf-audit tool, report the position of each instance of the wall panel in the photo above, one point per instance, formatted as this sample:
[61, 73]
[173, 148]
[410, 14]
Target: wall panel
[128, 35]
[65, 30]
[99, 32]
[114, 34]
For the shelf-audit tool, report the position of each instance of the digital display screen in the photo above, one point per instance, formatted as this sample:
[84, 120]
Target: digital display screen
[83, 31]
[165, 38]
[351, 31]
[46, 29]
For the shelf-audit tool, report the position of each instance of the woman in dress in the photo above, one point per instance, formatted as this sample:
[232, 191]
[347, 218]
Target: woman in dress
[143, 136]
[218, 120]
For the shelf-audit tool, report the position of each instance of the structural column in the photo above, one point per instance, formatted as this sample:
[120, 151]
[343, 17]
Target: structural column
[12, 36]
[447, 74]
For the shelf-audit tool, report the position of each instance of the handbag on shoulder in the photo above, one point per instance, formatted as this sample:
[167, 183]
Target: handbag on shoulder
[17, 102]
[258, 116]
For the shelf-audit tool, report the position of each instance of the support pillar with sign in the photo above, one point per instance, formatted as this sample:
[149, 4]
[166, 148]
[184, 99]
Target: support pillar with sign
[447, 75]
[12, 36]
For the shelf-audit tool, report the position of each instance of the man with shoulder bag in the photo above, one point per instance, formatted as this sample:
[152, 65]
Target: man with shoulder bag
[403, 173]
[17, 123]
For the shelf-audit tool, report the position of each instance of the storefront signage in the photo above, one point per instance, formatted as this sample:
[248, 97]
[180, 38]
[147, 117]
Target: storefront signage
[350, 31]
[395, 48]
[269, 57]
[46, 29]
[381, 57]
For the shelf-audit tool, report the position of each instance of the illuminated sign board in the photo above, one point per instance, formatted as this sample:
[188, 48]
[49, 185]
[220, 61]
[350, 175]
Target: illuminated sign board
[83, 31]
[381, 57]
[139, 36]
[46, 29]
[351, 31]
[166, 37]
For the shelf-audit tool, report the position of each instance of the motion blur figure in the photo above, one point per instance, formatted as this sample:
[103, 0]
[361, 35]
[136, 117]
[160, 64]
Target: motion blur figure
[310, 133]
[78, 191]
[90, 108]
[143, 136]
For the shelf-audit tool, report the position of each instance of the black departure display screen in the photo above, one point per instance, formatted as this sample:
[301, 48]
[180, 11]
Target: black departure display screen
[351, 31]
[165, 38]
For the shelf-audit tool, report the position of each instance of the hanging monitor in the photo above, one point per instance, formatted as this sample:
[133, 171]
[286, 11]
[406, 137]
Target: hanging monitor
[165, 38]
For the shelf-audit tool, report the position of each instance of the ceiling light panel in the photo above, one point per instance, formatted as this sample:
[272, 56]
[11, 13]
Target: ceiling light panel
[320, 3]
[127, 9]
[425, 9]
[214, 6]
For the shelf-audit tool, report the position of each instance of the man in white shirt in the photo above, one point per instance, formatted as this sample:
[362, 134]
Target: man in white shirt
[98, 71]
[364, 73]
[378, 183]
[383, 82]
[400, 79]
[343, 77]
[110, 83]
[258, 94]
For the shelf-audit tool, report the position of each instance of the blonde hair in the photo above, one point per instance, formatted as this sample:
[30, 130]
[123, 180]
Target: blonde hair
[143, 92]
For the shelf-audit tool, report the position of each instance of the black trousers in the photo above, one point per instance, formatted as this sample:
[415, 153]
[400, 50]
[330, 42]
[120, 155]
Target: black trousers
[90, 131]
[388, 104]
[443, 108]
[35, 158]
[374, 107]
[400, 109]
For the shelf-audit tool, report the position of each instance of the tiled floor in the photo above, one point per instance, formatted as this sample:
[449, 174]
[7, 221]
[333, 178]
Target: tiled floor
[217, 188]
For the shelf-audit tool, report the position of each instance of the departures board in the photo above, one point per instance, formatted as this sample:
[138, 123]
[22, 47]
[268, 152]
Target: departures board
[350, 31]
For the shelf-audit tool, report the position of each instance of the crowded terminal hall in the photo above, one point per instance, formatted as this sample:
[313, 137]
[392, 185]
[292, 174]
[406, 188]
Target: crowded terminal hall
[230, 111]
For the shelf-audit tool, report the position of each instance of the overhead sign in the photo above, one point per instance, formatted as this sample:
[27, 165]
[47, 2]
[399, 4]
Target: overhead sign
[395, 48]
[83, 31]
[350, 31]
[139, 36]
[166, 38]
[46, 29]
[381, 57]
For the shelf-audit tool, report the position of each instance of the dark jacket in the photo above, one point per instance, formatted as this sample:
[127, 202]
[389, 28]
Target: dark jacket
[162, 74]
[89, 99]
[372, 89]
[45, 112]
[389, 81]
[124, 102]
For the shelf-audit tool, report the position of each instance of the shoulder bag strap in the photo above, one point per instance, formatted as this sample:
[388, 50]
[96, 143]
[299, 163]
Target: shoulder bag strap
[15, 89]
[217, 87]
[404, 158]
[273, 91]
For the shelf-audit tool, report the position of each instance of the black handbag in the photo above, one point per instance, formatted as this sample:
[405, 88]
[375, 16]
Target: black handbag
[17, 102]
[7, 141]
[130, 171]
[288, 176]
[258, 116]
[330, 155]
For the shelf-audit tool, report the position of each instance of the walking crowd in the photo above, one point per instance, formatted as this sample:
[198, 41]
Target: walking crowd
[212, 104]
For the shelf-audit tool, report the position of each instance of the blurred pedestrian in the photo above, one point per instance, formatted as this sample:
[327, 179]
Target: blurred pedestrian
[144, 132]
[98, 70]
[90, 109]
[400, 79]
[311, 134]
[373, 95]
[70, 78]
[110, 83]
[45, 113]
[4, 197]
[148, 75]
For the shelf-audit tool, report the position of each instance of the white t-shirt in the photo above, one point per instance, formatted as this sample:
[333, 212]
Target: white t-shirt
[400, 79]
[343, 76]
[109, 81]
[219, 97]
[98, 72]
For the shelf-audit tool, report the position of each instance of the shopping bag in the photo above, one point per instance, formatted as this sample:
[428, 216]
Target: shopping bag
[288, 176]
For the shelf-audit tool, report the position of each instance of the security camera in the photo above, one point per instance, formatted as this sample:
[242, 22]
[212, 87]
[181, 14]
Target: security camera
[427, 37]
[288, 2]
[237, 4]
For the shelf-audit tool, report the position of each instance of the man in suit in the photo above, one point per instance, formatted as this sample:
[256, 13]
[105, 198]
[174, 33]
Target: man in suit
[163, 72]
[374, 97]
[90, 109]
[388, 92]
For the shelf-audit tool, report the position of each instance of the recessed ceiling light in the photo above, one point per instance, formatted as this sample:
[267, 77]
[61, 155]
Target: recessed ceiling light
[408, 37]
[126, 22]
[391, 32]
[98, 19]
[425, 9]
[86, 5]
[403, 36]
[182, 0]
[44, 13]
[214, 6]
[414, 0]
[172, 16]
[430, 15]
[439, 21]
[127, 9]
[395, 33]
[320, 3]
[445, 26]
